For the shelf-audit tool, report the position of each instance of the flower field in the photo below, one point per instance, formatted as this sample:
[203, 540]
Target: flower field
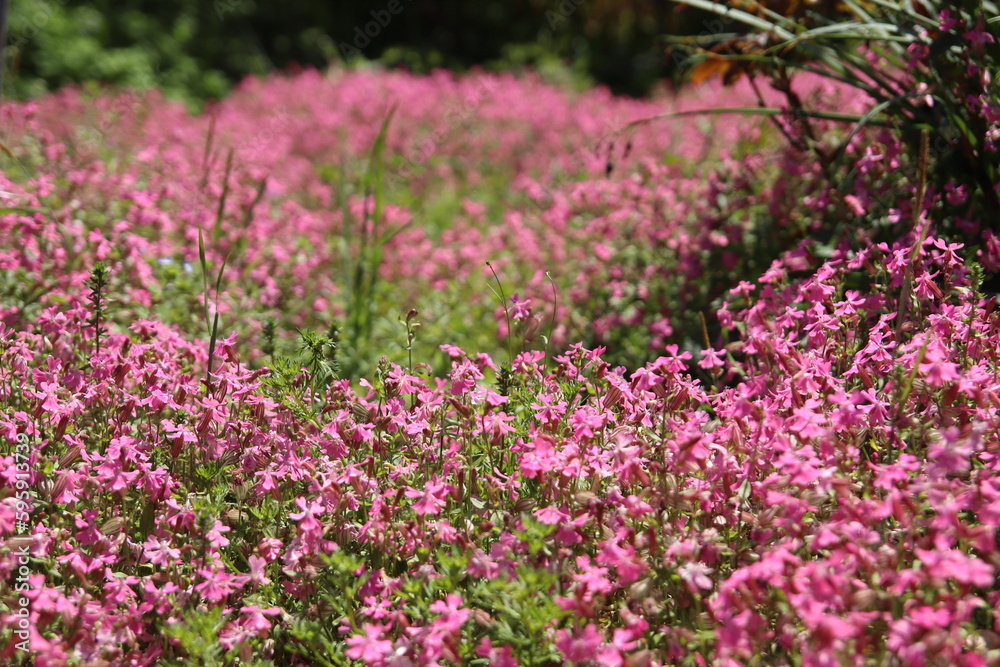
[368, 368]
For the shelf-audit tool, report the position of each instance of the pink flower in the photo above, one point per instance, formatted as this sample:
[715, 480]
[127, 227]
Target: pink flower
[454, 352]
[953, 564]
[855, 205]
[936, 369]
[979, 37]
[257, 567]
[622, 558]
[696, 575]
[159, 552]
[118, 588]
[946, 22]
[593, 578]
[929, 618]
[453, 617]
[580, 646]
[217, 584]
[430, 500]
[806, 422]
[215, 536]
[256, 619]
[548, 409]
[955, 196]
[520, 309]
[672, 362]
[493, 399]
[369, 648]
[711, 358]
[551, 515]
[377, 609]
[308, 523]
[850, 305]
[502, 657]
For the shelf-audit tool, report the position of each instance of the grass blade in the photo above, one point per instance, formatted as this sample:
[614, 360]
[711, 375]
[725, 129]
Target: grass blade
[217, 230]
[214, 333]
[369, 256]
[204, 272]
[752, 111]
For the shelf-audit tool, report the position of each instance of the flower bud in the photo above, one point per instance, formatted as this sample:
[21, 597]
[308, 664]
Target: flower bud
[113, 526]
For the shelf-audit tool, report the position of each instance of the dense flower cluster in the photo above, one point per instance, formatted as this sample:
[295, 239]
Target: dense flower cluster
[838, 500]
[485, 168]
[819, 487]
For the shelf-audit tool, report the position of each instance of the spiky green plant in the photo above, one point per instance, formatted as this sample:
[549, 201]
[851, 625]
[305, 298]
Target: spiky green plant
[98, 301]
[927, 65]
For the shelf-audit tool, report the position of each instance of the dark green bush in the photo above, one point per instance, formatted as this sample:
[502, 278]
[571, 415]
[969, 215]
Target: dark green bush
[197, 49]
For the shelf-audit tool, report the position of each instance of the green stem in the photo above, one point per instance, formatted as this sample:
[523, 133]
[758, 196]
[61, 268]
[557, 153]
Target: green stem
[506, 312]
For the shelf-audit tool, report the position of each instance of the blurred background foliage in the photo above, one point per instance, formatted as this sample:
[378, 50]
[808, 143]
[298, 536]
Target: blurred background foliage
[198, 49]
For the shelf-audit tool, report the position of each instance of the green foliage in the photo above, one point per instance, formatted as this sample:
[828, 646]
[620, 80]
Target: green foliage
[302, 379]
[169, 46]
[196, 50]
[198, 636]
[337, 585]
[518, 609]
[320, 353]
[211, 321]
[362, 245]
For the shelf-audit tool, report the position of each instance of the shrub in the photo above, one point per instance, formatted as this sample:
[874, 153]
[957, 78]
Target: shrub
[926, 68]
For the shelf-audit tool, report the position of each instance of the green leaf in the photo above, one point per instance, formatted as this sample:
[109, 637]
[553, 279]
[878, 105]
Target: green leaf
[24, 210]
[741, 16]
